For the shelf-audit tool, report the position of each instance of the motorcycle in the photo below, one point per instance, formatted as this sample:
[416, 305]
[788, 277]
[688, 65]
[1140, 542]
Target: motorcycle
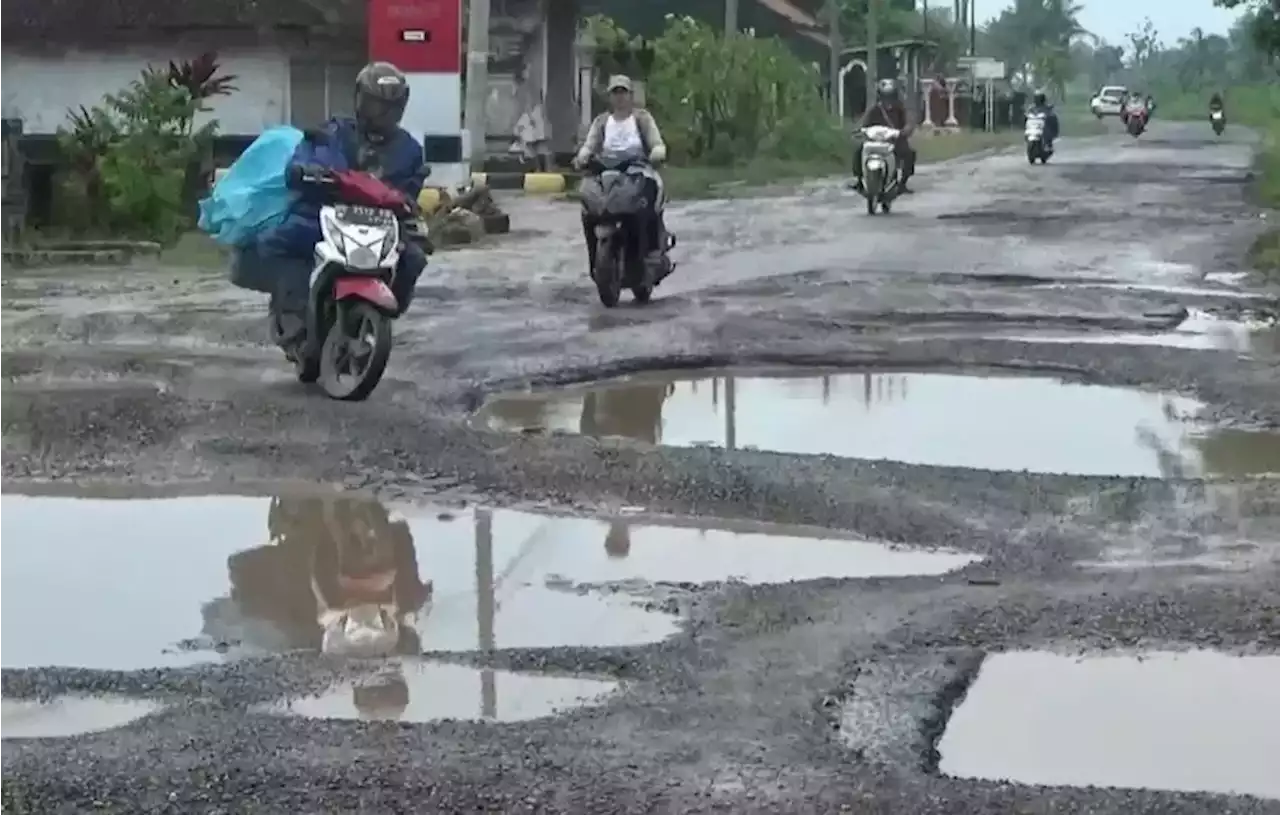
[881, 180]
[1218, 120]
[350, 306]
[612, 202]
[1135, 120]
[1037, 147]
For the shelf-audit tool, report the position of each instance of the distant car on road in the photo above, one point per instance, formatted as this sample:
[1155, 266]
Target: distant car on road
[1108, 100]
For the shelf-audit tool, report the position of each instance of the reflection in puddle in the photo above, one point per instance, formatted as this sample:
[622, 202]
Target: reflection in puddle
[417, 691]
[994, 423]
[70, 715]
[126, 581]
[1200, 331]
[1184, 722]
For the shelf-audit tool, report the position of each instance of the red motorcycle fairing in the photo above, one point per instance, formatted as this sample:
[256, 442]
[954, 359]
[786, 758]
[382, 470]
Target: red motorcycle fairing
[370, 289]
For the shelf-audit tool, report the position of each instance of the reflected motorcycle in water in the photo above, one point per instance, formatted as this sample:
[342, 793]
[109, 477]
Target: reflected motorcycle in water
[613, 204]
[881, 177]
[347, 341]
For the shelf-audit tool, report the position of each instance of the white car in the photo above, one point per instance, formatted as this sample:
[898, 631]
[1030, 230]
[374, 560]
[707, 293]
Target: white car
[1108, 100]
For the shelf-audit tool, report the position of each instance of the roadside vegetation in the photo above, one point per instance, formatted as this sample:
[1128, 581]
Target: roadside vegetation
[742, 112]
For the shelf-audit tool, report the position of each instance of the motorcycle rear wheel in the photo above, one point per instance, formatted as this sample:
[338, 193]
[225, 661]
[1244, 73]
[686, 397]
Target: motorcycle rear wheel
[359, 322]
[607, 273]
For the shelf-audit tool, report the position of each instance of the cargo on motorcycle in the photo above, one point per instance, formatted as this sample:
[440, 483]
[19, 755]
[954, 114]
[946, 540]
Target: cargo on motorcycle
[326, 222]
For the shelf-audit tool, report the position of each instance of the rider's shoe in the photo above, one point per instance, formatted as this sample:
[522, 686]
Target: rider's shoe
[854, 184]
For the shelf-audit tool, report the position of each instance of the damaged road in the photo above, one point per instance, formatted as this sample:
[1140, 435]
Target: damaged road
[831, 693]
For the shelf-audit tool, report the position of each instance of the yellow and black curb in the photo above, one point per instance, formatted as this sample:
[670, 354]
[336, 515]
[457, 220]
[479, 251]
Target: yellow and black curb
[532, 183]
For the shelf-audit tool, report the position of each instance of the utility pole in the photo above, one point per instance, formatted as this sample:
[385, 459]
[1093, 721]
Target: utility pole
[973, 29]
[836, 56]
[873, 50]
[473, 117]
[730, 17]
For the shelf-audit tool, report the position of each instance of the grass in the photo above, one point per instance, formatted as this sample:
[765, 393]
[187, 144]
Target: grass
[1259, 107]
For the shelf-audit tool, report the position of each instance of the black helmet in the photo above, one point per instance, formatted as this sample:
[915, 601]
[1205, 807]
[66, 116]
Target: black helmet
[1040, 98]
[887, 90]
[382, 92]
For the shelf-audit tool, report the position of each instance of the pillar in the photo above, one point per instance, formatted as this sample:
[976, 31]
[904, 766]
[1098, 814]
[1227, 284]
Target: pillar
[423, 38]
[952, 121]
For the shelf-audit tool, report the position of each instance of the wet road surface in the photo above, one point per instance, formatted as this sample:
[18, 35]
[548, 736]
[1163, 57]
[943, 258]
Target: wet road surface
[721, 590]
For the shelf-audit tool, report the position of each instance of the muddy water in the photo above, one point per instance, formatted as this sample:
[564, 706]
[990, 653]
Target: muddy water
[997, 423]
[1184, 722]
[418, 691]
[1200, 331]
[123, 584]
[70, 715]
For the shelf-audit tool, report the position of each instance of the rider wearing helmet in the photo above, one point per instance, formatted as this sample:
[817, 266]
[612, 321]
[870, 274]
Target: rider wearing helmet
[1040, 104]
[888, 111]
[372, 141]
[1215, 102]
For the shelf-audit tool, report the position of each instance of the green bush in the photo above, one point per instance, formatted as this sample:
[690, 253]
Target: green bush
[728, 100]
[128, 160]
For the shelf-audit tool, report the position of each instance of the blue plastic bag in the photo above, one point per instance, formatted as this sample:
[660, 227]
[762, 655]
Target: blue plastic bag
[252, 196]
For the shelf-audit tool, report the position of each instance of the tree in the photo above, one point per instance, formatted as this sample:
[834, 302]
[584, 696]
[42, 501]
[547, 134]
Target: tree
[1144, 45]
[1264, 22]
[1034, 37]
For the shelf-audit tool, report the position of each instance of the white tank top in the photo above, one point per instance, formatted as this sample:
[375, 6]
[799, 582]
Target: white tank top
[622, 136]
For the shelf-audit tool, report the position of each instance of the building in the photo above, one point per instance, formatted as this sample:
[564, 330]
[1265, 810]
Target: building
[294, 60]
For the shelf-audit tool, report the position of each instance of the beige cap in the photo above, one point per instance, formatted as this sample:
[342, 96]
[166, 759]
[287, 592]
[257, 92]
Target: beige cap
[619, 82]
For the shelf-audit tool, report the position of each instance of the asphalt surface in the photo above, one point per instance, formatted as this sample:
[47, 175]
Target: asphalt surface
[160, 378]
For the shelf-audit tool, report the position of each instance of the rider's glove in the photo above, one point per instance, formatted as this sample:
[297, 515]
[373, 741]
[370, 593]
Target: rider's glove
[579, 162]
[658, 154]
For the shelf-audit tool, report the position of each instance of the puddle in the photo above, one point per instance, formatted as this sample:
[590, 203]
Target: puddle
[418, 691]
[70, 715]
[1198, 721]
[1200, 331]
[125, 582]
[994, 423]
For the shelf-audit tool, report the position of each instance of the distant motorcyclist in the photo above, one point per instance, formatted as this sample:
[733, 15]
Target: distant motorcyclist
[1040, 104]
[888, 111]
[372, 142]
[627, 129]
[1215, 104]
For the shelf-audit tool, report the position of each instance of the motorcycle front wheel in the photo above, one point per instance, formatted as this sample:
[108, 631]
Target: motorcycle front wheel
[355, 352]
[607, 273]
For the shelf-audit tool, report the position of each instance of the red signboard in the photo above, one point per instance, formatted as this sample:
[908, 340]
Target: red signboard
[417, 36]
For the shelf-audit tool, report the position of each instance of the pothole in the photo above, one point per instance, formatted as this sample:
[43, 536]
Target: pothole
[1199, 721]
[177, 581]
[992, 423]
[70, 715]
[1200, 331]
[421, 691]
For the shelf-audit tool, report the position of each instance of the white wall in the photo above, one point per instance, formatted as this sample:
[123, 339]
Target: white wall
[41, 88]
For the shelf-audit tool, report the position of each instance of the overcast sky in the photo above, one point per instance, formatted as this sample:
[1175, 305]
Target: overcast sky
[1113, 19]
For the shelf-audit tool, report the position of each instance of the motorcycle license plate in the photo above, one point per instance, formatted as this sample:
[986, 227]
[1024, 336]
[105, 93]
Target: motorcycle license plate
[364, 216]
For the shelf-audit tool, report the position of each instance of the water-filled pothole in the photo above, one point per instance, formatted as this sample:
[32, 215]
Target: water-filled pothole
[420, 691]
[993, 423]
[70, 715]
[1200, 331]
[168, 582]
[1196, 721]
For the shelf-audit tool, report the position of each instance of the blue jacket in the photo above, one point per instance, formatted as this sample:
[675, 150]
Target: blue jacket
[398, 162]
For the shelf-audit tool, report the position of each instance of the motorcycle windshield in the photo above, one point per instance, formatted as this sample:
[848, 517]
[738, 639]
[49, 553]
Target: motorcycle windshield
[617, 159]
